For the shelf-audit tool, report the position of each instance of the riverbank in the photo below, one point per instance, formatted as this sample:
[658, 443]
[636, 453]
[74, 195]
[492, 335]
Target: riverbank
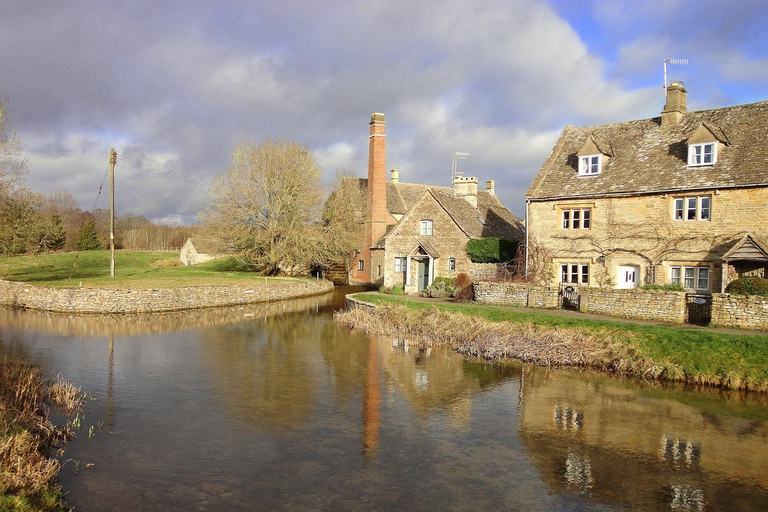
[151, 300]
[28, 471]
[697, 356]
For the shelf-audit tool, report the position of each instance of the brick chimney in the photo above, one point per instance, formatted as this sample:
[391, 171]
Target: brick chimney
[466, 187]
[376, 215]
[675, 106]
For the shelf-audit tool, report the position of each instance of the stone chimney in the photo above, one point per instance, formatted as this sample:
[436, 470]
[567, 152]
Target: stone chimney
[466, 187]
[395, 176]
[675, 106]
[490, 187]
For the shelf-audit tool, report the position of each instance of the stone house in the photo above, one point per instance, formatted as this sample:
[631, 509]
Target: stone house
[199, 250]
[414, 233]
[681, 198]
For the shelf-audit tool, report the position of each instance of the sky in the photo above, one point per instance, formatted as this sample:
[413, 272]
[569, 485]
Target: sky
[174, 86]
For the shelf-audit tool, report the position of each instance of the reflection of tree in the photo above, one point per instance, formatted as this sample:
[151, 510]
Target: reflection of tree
[346, 357]
[266, 368]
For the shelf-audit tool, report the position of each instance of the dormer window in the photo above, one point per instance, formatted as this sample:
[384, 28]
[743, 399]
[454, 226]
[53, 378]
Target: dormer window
[590, 165]
[702, 154]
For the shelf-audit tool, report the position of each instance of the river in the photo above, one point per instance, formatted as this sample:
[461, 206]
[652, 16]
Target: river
[273, 407]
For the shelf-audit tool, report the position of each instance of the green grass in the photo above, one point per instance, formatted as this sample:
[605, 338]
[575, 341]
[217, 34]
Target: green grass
[706, 353]
[133, 269]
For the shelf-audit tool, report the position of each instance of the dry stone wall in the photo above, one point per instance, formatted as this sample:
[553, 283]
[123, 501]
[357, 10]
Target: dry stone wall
[746, 312]
[117, 301]
[743, 312]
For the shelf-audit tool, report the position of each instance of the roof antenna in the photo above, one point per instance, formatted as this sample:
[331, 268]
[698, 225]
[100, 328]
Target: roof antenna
[455, 167]
[670, 60]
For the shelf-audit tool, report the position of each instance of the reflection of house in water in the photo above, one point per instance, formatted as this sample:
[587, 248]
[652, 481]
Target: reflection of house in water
[429, 384]
[611, 445]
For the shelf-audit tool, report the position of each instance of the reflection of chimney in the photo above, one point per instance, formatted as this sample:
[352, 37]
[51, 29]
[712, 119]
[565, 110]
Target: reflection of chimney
[371, 403]
[395, 176]
[490, 186]
[466, 187]
[675, 106]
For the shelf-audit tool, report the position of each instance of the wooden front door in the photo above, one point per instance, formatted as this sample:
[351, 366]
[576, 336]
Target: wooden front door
[423, 281]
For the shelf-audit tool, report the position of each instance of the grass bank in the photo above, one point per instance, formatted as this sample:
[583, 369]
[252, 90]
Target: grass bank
[734, 361]
[28, 472]
[133, 269]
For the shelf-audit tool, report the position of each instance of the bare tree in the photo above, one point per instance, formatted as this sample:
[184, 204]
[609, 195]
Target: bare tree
[269, 209]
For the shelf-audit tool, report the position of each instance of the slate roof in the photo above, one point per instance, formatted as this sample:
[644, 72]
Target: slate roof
[647, 157]
[489, 219]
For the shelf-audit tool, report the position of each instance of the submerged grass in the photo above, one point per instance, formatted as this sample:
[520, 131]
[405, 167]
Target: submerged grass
[133, 269]
[734, 361]
[28, 438]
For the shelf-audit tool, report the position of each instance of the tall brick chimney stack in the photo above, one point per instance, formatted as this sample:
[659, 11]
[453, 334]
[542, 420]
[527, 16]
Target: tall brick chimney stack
[675, 105]
[377, 214]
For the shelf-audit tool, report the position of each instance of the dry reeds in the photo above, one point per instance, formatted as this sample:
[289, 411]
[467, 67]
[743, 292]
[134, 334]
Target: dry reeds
[490, 340]
[541, 345]
[26, 433]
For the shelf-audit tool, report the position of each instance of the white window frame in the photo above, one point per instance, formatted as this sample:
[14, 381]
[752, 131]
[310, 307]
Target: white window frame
[698, 155]
[360, 265]
[684, 206]
[590, 165]
[451, 264]
[690, 277]
[400, 264]
[426, 227]
[574, 273]
[576, 218]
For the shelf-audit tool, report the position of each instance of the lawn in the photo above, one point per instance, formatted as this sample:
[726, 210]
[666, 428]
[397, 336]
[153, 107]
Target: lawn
[703, 352]
[133, 269]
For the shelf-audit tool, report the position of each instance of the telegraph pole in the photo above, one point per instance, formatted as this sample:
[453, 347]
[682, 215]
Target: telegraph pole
[112, 162]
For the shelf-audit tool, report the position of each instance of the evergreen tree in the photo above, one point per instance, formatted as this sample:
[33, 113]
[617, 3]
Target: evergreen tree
[56, 236]
[87, 238]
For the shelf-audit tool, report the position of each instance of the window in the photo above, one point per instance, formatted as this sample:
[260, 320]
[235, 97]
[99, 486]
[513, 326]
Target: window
[360, 265]
[577, 218]
[702, 154]
[691, 278]
[451, 264]
[400, 265]
[378, 269]
[577, 273]
[425, 228]
[590, 165]
[693, 208]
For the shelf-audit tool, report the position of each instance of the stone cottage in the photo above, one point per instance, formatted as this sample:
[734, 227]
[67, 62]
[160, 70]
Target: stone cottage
[199, 250]
[414, 233]
[681, 198]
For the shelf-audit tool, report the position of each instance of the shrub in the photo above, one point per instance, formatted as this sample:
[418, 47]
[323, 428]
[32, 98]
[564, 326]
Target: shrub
[672, 287]
[441, 287]
[397, 290]
[385, 289]
[491, 250]
[463, 288]
[748, 286]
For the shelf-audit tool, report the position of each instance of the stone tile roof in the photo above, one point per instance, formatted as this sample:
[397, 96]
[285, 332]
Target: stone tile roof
[206, 246]
[647, 157]
[490, 219]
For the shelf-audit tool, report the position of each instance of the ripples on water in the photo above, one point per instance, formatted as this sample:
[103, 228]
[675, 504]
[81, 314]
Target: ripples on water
[273, 407]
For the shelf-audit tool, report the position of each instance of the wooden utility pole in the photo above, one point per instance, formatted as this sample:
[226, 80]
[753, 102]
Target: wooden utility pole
[112, 162]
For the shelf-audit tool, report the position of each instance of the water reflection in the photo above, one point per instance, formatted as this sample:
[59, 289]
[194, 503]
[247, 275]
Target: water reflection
[596, 438]
[274, 407]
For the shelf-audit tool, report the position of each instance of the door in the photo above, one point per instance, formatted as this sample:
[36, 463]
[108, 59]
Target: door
[628, 277]
[423, 281]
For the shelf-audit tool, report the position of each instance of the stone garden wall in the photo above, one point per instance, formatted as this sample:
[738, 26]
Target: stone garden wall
[108, 300]
[743, 312]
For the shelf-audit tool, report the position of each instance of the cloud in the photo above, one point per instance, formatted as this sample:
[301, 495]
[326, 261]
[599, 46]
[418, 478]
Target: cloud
[176, 85]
